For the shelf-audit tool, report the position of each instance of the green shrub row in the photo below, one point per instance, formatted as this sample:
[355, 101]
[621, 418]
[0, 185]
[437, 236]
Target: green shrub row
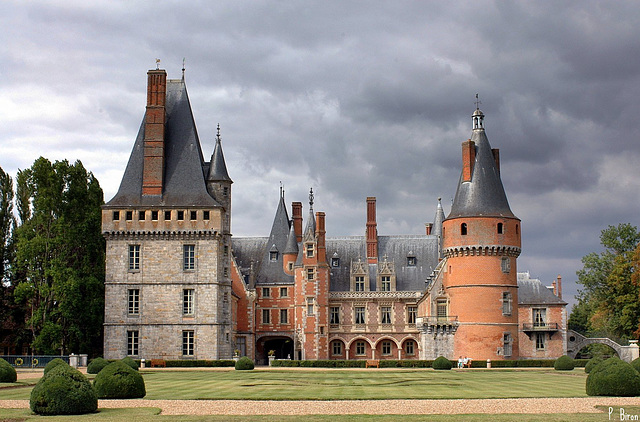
[393, 363]
[200, 363]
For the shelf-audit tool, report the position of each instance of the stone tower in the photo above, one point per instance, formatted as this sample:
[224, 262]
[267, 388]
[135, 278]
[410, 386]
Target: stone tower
[167, 230]
[481, 242]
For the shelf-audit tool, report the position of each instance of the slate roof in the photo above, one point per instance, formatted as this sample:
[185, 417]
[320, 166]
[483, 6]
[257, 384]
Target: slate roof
[218, 167]
[531, 291]
[484, 195]
[185, 169]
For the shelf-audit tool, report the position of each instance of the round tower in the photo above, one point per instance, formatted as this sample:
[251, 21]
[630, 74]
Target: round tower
[481, 243]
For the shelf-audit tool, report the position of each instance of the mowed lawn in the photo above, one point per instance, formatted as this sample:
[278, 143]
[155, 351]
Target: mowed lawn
[354, 385]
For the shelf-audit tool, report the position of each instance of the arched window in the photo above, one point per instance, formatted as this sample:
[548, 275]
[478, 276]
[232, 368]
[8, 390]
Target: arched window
[463, 229]
[500, 229]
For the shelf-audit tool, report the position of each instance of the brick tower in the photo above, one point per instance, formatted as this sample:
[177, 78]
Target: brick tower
[481, 242]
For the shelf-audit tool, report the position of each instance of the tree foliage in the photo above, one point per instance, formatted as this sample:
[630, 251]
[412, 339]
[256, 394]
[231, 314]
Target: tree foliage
[609, 301]
[59, 256]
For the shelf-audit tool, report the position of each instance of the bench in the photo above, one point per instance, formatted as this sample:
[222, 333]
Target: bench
[372, 363]
[158, 363]
[468, 363]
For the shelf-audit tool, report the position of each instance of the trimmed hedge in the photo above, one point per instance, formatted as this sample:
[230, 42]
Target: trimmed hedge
[442, 363]
[636, 364]
[132, 363]
[415, 363]
[613, 377]
[593, 362]
[197, 363]
[7, 372]
[63, 391]
[96, 365]
[53, 363]
[564, 363]
[119, 381]
[244, 364]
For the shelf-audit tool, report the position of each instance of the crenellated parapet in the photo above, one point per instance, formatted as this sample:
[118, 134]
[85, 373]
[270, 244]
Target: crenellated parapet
[481, 250]
[162, 235]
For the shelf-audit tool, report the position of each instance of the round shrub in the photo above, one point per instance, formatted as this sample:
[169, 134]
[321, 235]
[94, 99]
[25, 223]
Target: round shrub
[119, 381]
[593, 362]
[613, 377]
[442, 363]
[63, 391]
[636, 364]
[564, 363]
[7, 372]
[96, 365]
[132, 363]
[53, 363]
[244, 364]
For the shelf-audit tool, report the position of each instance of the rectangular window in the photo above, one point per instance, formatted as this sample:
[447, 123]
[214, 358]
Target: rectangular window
[141, 215]
[411, 261]
[359, 317]
[334, 315]
[205, 215]
[154, 215]
[194, 215]
[167, 215]
[284, 316]
[409, 347]
[309, 273]
[116, 216]
[188, 296]
[359, 283]
[134, 257]
[360, 348]
[412, 313]
[441, 309]
[180, 215]
[266, 292]
[132, 343]
[189, 257]
[386, 348]
[505, 265]
[385, 283]
[336, 348]
[134, 302]
[129, 215]
[507, 341]
[506, 303]
[309, 248]
[335, 262]
[310, 310]
[284, 292]
[266, 316]
[188, 343]
[539, 317]
[540, 341]
[385, 314]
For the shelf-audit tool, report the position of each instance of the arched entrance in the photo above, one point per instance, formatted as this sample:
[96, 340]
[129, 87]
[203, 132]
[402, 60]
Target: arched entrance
[282, 347]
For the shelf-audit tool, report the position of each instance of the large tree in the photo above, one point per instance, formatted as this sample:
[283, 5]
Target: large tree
[609, 301]
[59, 265]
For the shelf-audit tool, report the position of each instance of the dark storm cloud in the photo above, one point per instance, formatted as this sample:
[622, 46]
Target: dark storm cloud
[354, 99]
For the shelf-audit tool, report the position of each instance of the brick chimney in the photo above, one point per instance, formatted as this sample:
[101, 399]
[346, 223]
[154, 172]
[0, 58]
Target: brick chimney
[428, 228]
[559, 284]
[320, 236]
[296, 209]
[372, 231]
[468, 159]
[153, 167]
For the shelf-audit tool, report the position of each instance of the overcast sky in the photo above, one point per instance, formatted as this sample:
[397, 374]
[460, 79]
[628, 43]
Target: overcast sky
[352, 98]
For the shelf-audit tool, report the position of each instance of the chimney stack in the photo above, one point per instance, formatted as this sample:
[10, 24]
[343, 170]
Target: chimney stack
[320, 236]
[559, 284]
[154, 121]
[428, 227]
[468, 159]
[372, 231]
[296, 210]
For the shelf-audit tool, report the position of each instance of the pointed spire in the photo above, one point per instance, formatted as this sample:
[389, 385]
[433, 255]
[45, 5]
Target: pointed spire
[310, 229]
[438, 219]
[292, 242]
[217, 167]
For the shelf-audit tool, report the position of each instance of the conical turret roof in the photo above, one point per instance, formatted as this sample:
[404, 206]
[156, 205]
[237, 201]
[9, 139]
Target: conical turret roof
[484, 194]
[218, 167]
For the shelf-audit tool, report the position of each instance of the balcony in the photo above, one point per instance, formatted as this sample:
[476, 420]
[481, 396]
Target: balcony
[540, 327]
[437, 324]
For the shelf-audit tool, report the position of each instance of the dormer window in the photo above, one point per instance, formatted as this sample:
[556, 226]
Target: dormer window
[335, 262]
[309, 249]
[411, 261]
[273, 253]
[463, 229]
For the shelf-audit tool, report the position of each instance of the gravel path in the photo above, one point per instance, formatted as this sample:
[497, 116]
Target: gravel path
[372, 407]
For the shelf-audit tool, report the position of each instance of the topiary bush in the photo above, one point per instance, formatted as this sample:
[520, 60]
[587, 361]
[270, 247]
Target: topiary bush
[442, 363]
[613, 377]
[7, 372]
[636, 364]
[244, 364]
[119, 381]
[132, 363]
[63, 391]
[96, 365]
[564, 363]
[593, 362]
[53, 363]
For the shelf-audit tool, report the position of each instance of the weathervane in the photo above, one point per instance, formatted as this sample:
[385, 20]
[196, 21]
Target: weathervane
[477, 102]
[157, 64]
[311, 198]
[218, 134]
[183, 59]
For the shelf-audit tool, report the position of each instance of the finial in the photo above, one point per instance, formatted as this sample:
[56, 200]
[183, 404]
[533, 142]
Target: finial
[281, 190]
[218, 134]
[157, 64]
[183, 60]
[311, 198]
[477, 102]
